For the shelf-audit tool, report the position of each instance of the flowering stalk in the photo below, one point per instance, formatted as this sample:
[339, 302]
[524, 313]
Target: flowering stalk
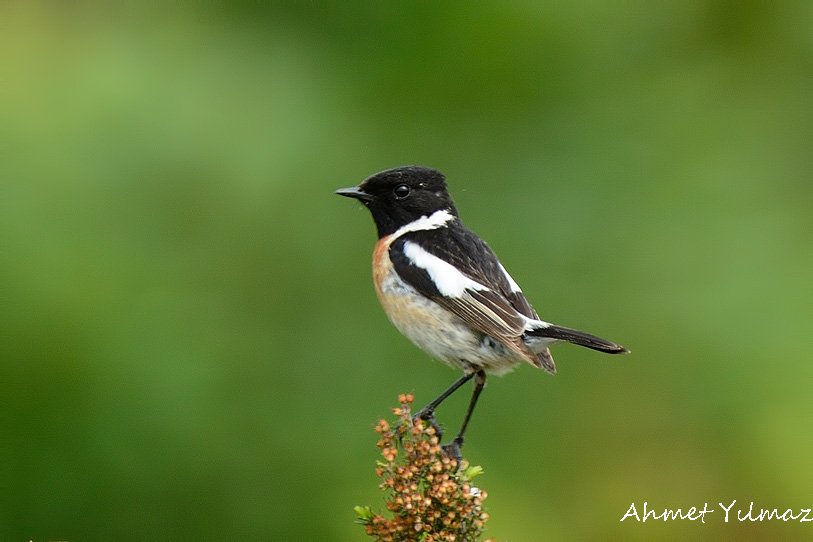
[430, 499]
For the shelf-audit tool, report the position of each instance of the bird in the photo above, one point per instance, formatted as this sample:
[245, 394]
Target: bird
[444, 288]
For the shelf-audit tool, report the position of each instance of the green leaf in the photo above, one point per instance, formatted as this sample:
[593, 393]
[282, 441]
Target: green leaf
[471, 472]
[363, 512]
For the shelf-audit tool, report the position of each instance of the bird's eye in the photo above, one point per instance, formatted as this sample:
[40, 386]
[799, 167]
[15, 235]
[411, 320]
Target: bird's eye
[401, 191]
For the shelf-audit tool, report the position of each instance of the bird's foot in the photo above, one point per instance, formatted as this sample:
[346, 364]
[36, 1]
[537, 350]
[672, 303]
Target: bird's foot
[429, 417]
[453, 449]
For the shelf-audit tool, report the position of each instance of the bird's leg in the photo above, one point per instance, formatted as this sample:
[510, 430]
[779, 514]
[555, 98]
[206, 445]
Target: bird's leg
[427, 413]
[453, 448]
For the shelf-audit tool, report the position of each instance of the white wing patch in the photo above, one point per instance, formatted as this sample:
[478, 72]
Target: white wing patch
[514, 286]
[448, 280]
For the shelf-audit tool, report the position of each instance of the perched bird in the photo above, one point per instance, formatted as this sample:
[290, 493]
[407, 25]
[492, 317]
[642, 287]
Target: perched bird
[446, 291]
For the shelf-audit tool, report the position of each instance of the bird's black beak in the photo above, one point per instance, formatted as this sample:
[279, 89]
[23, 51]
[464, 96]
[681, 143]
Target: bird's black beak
[355, 192]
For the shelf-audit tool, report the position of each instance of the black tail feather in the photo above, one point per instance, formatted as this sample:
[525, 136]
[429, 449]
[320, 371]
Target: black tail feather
[578, 337]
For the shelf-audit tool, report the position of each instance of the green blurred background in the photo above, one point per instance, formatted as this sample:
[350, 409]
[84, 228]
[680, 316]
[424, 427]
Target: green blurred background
[191, 345]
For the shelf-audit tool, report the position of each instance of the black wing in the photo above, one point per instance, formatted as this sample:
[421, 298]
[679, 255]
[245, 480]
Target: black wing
[495, 309]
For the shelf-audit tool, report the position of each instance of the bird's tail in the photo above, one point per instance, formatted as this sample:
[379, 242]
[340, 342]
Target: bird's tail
[574, 336]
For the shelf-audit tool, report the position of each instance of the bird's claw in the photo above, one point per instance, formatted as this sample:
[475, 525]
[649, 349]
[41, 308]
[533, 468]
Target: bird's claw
[453, 449]
[429, 417]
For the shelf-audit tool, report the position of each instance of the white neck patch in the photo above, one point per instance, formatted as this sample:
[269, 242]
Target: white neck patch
[434, 221]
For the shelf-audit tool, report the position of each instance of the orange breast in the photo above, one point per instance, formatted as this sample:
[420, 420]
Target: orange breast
[382, 266]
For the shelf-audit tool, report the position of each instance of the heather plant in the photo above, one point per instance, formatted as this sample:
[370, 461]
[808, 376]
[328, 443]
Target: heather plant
[429, 496]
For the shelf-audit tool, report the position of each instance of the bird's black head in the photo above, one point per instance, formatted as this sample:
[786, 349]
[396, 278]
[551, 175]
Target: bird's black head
[399, 196]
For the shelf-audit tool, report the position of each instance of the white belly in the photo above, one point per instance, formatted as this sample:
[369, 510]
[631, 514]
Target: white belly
[440, 333]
